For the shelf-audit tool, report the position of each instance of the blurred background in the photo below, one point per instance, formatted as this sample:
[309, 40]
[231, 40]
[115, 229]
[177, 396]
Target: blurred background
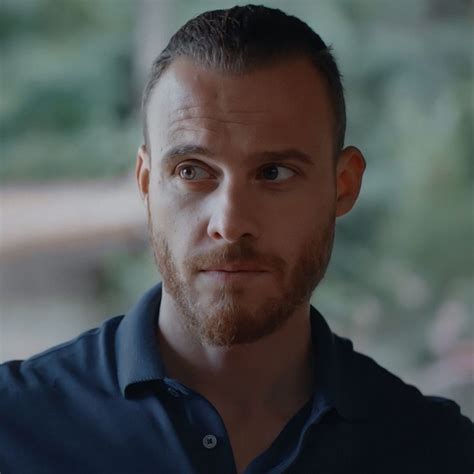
[73, 238]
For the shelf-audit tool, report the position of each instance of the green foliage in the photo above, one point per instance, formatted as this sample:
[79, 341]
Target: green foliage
[68, 109]
[406, 249]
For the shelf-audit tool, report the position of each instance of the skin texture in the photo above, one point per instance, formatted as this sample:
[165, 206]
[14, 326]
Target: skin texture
[261, 188]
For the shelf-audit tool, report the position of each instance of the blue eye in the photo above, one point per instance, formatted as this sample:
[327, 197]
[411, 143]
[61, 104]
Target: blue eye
[193, 172]
[276, 173]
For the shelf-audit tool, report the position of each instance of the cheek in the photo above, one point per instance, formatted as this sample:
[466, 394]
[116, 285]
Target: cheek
[309, 221]
[176, 218]
[305, 210]
[165, 205]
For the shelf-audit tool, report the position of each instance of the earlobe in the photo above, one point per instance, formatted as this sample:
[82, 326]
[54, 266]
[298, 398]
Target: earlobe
[142, 171]
[350, 170]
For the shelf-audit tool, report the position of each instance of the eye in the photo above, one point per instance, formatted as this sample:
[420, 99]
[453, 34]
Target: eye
[276, 173]
[193, 172]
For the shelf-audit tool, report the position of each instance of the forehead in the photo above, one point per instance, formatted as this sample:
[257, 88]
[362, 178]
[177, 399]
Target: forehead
[286, 104]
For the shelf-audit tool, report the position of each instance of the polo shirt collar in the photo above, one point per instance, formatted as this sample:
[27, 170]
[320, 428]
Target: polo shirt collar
[335, 378]
[139, 362]
[137, 354]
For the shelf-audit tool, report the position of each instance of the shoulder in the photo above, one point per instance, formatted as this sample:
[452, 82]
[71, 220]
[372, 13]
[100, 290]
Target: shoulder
[87, 353]
[400, 415]
[44, 396]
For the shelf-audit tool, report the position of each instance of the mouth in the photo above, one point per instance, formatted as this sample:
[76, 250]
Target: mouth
[232, 271]
[241, 273]
[236, 268]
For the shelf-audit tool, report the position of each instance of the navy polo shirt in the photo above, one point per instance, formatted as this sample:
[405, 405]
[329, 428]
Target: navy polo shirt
[103, 403]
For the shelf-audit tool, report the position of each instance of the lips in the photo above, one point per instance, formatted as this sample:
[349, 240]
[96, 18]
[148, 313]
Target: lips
[234, 268]
[246, 270]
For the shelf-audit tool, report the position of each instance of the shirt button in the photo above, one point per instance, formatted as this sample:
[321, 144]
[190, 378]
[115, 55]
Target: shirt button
[209, 441]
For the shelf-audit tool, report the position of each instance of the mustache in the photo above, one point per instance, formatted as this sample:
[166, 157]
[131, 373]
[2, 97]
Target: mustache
[239, 252]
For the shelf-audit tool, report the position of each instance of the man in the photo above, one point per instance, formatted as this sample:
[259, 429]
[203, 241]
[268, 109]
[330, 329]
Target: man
[225, 367]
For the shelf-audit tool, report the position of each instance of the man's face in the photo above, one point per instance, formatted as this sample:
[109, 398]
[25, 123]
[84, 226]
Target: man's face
[240, 184]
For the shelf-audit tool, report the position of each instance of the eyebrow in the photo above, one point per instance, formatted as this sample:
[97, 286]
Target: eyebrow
[281, 155]
[259, 157]
[184, 150]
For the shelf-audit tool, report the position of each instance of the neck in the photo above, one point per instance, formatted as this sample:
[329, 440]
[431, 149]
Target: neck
[272, 375]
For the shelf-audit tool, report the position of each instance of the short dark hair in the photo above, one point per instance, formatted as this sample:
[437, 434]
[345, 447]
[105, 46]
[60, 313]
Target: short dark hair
[245, 38]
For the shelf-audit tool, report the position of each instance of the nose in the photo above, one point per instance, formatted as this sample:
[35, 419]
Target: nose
[233, 214]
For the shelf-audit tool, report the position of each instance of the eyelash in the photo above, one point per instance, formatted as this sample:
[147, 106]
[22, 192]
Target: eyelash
[269, 165]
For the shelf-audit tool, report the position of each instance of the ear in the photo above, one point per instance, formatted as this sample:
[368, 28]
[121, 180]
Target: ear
[142, 172]
[349, 171]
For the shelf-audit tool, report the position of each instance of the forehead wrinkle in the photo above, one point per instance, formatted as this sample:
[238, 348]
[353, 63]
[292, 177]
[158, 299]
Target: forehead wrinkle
[202, 125]
[210, 119]
[172, 133]
[207, 111]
